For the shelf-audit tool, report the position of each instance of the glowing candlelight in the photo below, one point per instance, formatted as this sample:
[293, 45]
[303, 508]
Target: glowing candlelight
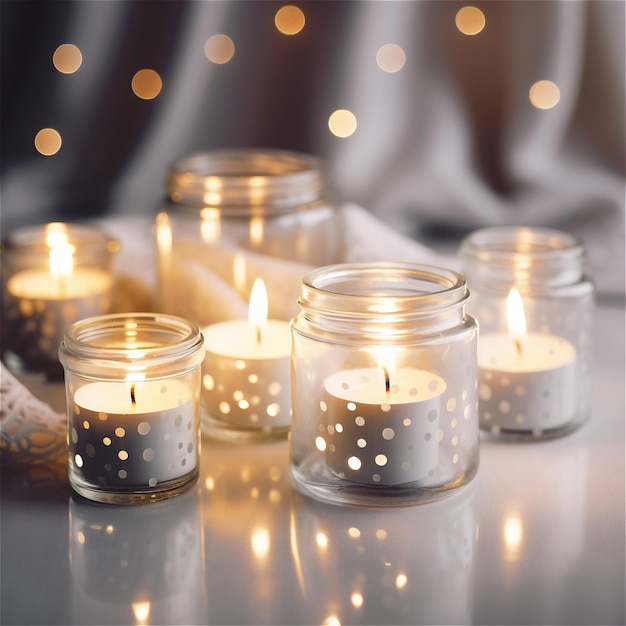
[516, 319]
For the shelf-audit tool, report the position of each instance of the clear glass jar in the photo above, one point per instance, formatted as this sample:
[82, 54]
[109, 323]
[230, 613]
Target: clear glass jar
[52, 276]
[384, 385]
[233, 216]
[534, 306]
[132, 384]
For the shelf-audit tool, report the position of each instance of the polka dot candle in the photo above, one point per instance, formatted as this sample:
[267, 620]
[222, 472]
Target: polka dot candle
[245, 375]
[534, 305]
[132, 385]
[533, 390]
[378, 433]
[117, 442]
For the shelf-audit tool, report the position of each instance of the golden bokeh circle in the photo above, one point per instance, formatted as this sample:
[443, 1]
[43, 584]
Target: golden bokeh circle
[342, 123]
[470, 20]
[67, 58]
[48, 141]
[544, 94]
[146, 84]
[289, 20]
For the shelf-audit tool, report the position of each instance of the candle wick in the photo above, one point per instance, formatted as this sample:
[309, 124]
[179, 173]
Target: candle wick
[387, 382]
[518, 347]
[132, 395]
[258, 335]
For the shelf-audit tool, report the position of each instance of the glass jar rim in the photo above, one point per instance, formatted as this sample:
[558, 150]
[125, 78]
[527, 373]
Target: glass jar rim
[528, 256]
[276, 180]
[87, 239]
[507, 243]
[448, 288]
[95, 345]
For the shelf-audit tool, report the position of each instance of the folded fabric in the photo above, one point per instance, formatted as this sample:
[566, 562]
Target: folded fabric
[200, 276]
[32, 431]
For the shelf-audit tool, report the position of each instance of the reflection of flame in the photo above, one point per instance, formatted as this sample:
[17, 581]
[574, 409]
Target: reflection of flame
[257, 228]
[516, 319]
[210, 225]
[141, 610]
[163, 233]
[239, 272]
[260, 543]
[257, 310]
[513, 536]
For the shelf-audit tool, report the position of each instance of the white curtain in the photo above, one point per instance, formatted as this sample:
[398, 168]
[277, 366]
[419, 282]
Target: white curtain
[449, 143]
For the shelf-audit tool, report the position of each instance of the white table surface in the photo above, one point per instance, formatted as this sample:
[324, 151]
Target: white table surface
[536, 538]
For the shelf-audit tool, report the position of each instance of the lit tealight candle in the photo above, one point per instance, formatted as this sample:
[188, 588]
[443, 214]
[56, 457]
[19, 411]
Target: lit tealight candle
[245, 374]
[132, 434]
[381, 424]
[43, 301]
[527, 381]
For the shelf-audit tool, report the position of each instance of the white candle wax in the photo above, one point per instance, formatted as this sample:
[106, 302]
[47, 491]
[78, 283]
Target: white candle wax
[115, 442]
[41, 306]
[245, 381]
[377, 437]
[531, 388]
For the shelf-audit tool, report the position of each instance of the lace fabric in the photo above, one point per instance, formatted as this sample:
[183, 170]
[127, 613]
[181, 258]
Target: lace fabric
[32, 431]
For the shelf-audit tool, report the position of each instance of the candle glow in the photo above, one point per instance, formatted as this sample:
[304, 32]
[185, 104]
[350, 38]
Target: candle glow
[516, 319]
[258, 308]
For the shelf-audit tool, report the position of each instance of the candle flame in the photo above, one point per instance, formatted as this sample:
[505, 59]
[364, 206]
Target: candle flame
[516, 319]
[257, 310]
[60, 254]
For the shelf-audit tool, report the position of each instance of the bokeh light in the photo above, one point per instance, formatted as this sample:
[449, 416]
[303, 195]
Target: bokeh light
[146, 84]
[289, 20]
[219, 49]
[342, 123]
[470, 20]
[48, 141]
[67, 58]
[544, 94]
[390, 58]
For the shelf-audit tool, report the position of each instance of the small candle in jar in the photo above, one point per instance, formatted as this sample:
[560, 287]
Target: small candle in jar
[527, 381]
[245, 374]
[132, 434]
[43, 301]
[381, 424]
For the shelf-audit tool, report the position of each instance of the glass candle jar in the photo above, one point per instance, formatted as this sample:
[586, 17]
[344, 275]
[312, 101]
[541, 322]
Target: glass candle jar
[534, 306]
[52, 276]
[384, 385]
[233, 216]
[133, 395]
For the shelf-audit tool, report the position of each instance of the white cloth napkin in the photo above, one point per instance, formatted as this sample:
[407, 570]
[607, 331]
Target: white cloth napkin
[206, 272]
[32, 432]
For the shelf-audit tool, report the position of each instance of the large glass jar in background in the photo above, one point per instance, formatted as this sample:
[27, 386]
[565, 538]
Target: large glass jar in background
[534, 307]
[233, 216]
[383, 385]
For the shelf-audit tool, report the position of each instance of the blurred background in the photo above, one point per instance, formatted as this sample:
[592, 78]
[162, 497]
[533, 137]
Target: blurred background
[437, 117]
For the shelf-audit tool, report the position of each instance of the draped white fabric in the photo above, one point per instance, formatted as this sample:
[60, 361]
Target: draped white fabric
[449, 143]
